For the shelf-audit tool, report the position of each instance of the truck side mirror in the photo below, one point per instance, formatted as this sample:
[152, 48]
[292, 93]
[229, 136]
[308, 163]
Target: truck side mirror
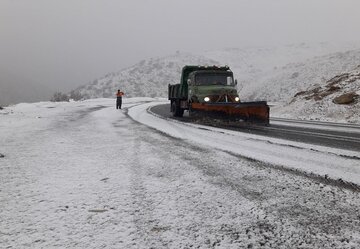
[235, 82]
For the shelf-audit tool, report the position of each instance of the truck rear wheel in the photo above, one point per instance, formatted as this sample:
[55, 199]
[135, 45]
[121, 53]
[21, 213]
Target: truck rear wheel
[176, 110]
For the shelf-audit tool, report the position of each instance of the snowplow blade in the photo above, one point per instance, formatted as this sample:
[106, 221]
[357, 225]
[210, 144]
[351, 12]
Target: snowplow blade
[253, 112]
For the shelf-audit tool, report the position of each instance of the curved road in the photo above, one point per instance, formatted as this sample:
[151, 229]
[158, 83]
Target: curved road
[334, 135]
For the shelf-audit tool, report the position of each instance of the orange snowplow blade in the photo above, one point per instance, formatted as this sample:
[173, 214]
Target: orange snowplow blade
[257, 112]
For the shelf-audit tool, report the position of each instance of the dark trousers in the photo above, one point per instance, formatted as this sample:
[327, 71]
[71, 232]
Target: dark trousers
[118, 102]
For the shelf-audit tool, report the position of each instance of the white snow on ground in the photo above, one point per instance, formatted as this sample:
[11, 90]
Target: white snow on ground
[85, 175]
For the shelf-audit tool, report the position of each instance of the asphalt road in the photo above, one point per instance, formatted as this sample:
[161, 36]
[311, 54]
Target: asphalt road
[339, 136]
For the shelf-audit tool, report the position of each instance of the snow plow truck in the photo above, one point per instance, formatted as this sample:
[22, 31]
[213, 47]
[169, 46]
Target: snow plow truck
[210, 92]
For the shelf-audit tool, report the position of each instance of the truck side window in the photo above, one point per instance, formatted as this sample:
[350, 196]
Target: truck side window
[229, 81]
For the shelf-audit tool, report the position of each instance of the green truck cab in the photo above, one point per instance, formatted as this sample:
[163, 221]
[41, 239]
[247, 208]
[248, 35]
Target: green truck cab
[202, 84]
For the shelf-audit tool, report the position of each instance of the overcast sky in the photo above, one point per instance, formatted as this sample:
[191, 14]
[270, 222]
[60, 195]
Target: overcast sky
[65, 43]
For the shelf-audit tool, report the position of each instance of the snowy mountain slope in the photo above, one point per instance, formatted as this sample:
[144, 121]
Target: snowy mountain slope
[253, 67]
[272, 73]
[147, 78]
[336, 99]
[283, 83]
[85, 175]
[252, 64]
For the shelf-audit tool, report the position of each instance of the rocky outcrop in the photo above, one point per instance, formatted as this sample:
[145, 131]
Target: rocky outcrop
[346, 99]
[337, 85]
[334, 100]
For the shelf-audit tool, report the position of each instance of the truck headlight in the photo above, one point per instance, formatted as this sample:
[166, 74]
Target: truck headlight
[206, 99]
[237, 99]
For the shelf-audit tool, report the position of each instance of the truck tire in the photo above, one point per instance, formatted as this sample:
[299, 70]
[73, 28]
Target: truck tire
[192, 113]
[176, 110]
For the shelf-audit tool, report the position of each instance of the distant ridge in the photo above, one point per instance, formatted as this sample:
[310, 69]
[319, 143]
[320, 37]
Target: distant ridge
[270, 73]
[273, 74]
[148, 78]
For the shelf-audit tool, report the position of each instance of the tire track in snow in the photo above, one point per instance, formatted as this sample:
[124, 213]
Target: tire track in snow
[288, 210]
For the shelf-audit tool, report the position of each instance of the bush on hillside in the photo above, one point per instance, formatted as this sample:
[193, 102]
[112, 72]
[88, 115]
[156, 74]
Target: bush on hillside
[60, 97]
[75, 95]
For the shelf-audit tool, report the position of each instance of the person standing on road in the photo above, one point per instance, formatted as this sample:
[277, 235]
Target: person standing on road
[119, 95]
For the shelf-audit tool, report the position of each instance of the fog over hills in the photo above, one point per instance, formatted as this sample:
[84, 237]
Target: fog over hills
[284, 82]
[14, 88]
[274, 74]
[269, 73]
[148, 78]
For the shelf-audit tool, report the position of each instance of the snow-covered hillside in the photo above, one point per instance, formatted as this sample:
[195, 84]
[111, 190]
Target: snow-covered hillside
[336, 99]
[147, 78]
[274, 74]
[254, 68]
[255, 65]
[282, 83]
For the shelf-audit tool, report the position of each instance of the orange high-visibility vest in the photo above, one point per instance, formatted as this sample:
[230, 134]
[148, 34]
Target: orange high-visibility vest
[119, 94]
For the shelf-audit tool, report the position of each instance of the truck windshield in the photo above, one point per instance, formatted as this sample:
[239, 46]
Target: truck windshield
[214, 79]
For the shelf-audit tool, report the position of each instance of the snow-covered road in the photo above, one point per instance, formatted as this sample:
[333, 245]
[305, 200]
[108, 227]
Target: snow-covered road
[314, 159]
[85, 175]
